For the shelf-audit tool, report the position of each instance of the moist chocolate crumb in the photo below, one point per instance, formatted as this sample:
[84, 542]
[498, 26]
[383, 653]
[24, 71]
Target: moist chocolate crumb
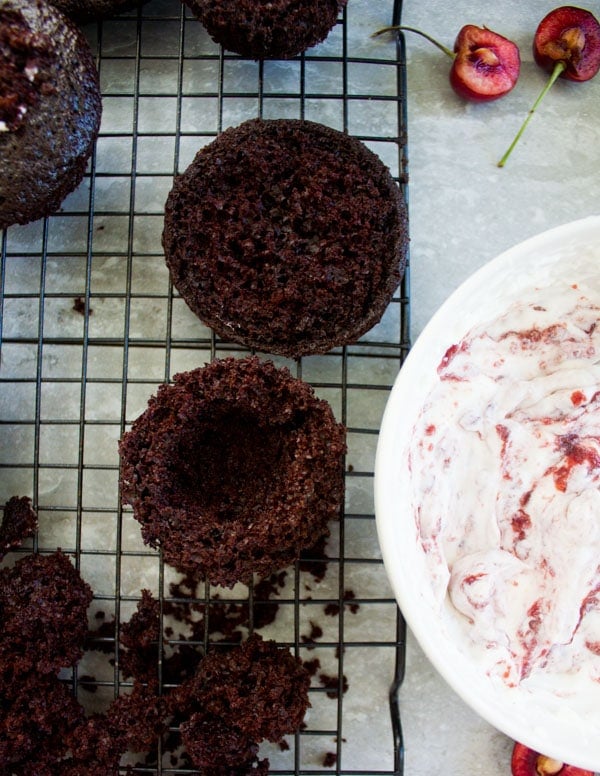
[88, 683]
[332, 683]
[329, 759]
[312, 666]
[238, 698]
[79, 306]
[315, 633]
[333, 609]
[43, 615]
[19, 522]
[350, 595]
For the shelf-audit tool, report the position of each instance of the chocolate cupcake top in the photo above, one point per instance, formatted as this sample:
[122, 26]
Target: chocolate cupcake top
[50, 109]
[267, 28]
[233, 469]
[286, 236]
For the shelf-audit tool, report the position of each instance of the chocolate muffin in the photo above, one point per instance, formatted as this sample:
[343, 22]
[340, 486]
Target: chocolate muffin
[233, 469]
[50, 109]
[88, 10]
[267, 28]
[286, 236]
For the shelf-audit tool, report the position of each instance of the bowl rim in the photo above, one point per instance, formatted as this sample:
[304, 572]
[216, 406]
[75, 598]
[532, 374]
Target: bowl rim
[496, 704]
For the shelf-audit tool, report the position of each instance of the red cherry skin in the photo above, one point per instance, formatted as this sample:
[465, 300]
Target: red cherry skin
[486, 65]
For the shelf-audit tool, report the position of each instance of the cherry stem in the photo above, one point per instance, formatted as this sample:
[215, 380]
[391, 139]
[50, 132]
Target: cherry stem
[402, 28]
[559, 67]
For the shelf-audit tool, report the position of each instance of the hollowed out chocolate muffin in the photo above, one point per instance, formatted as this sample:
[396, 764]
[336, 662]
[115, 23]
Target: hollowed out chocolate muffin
[87, 10]
[233, 470]
[50, 109]
[267, 28]
[286, 236]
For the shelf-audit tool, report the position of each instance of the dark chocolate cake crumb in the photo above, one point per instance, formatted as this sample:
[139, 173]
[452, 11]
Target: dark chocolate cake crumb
[314, 560]
[102, 637]
[50, 108]
[329, 760]
[316, 632]
[140, 638]
[233, 470]
[236, 699]
[312, 666]
[332, 684]
[286, 236]
[214, 742]
[43, 614]
[79, 306]
[19, 522]
[88, 683]
[333, 609]
[349, 596]
[38, 714]
[258, 687]
[267, 28]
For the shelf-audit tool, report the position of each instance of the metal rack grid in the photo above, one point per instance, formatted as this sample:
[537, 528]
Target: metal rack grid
[91, 326]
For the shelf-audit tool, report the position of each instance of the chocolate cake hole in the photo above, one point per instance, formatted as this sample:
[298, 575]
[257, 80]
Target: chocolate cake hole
[237, 455]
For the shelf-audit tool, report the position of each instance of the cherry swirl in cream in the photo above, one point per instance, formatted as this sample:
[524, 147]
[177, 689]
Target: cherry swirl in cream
[505, 470]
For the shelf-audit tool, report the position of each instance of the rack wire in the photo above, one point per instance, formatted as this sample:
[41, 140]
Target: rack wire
[91, 326]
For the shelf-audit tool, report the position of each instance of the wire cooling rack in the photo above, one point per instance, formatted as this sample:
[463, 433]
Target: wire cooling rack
[91, 327]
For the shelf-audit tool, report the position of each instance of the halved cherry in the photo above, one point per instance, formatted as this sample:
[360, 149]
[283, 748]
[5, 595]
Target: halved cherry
[567, 45]
[485, 65]
[572, 36]
[527, 762]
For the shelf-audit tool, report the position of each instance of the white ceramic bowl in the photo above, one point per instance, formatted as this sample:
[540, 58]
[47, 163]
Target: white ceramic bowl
[563, 729]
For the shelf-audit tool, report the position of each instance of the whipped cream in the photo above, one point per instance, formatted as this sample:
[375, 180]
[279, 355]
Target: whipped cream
[505, 475]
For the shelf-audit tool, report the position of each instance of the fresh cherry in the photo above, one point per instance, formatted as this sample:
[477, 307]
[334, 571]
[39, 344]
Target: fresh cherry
[527, 762]
[567, 45]
[485, 65]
